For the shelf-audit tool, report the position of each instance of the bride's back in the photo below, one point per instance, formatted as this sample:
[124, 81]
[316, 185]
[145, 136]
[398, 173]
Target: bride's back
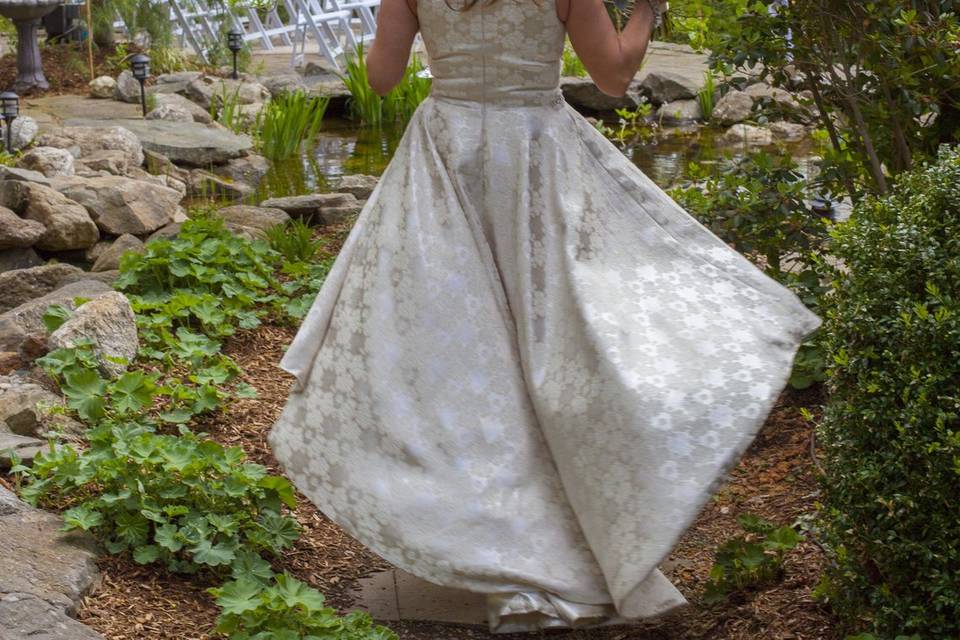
[505, 52]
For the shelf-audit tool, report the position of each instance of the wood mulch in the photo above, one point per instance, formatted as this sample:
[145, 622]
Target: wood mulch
[65, 65]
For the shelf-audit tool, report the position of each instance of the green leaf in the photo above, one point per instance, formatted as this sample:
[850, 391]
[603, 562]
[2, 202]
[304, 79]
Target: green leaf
[282, 487]
[167, 537]
[55, 315]
[250, 565]
[146, 554]
[214, 555]
[83, 517]
[239, 596]
[297, 594]
[85, 390]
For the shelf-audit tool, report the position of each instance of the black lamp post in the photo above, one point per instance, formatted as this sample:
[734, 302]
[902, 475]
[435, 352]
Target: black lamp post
[235, 44]
[140, 65]
[9, 109]
[822, 206]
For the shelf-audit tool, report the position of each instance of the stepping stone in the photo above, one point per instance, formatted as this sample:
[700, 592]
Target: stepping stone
[396, 595]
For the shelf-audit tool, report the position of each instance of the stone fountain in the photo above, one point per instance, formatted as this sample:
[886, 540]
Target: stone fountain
[26, 16]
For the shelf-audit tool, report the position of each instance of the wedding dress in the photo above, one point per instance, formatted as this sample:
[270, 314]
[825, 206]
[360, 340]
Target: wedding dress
[528, 368]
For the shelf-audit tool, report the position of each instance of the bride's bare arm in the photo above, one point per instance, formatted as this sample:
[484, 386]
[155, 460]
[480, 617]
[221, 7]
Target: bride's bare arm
[611, 58]
[396, 27]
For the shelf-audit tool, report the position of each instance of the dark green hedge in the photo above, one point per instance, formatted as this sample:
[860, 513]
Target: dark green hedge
[891, 434]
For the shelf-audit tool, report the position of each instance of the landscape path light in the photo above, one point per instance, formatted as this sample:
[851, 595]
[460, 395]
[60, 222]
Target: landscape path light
[140, 65]
[9, 109]
[235, 44]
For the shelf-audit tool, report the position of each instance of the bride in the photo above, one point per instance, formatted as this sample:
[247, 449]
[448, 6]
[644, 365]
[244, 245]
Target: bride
[528, 368]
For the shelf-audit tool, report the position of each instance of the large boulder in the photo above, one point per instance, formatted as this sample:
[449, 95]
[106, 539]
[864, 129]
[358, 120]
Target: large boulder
[17, 233]
[121, 205]
[787, 131]
[19, 324]
[25, 406]
[128, 88]
[24, 175]
[109, 322]
[733, 108]
[284, 84]
[23, 131]
[44, 573]
[86, 140]
[317, 208]
[254, 217]
[108, 259]
[249, 169]
[103, 87]
[18, 259]
[747, 135]
[679, 112]
[209, 91]
[176, 102]
[23, 285]
[361, 186]
[110, 161]
[669, 86]
[68, 225]
[176, 82]
[207, 185]
[189, 143]
[50, 161]
[584, 94]
[171, 113]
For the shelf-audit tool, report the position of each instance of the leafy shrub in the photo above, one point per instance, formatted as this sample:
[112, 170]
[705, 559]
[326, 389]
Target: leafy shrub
[891, 432]
[180, 500]
[287, 609]
[398, 105]
[749, 561]
[572, 65]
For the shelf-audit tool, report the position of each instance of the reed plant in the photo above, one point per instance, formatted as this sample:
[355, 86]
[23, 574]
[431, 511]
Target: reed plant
[572, 65]
[706, 96]
[227, 110]
[294, 241]
[289, 123]
[398, 105]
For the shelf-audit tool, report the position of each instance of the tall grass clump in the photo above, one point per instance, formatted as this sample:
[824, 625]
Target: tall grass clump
[572, 65]
[397, 106]
[289, 122]
[706, 96]
[891, 430]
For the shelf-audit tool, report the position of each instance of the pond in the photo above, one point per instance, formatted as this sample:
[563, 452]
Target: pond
[344, 148]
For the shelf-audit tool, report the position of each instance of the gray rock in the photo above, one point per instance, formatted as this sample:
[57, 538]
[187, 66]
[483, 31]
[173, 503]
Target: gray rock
[249, 170]
[204, 184]
[336, 215]
[18, 259]
[745, 134]
[50, 161]
[734, 107]
[669, 86]
[171, 231]
[168, 83]
[109, 259]
[188, 143]
[23, 447]
[67, 224]
[170, 113]
[103, 87]
[109, 322]
[23, 285]
[128, 88]
[23, 131]
[44, 573]
[255, 217]
[95, 137]
[24, 175]
[284, 84]
[121, 205]
[177, 101]
[25, 407]
[679, 112]
[17, 325]
[359, 185]
[106, 277]
[787, 131]
[17, 233]
[91, 254]
[328, 86]
[111, 161]
[583, 93]
[209, 91]
[318, 208]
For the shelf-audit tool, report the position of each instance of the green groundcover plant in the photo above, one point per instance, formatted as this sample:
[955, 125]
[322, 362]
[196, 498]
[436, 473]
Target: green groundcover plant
[891, 431]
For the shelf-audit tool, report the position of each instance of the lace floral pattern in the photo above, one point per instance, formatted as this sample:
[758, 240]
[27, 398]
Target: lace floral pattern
[528, 368]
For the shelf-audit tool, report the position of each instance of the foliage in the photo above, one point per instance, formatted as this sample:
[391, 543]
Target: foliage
[288, 123]
[707, 95]
[253, 609]
[398, 105]
[294, 240]
[885, 76]
[751, 560]
[572, 65]
[634, 125]
[227, 110]
[891, 432]
[700, 23]
[139, 16]
[170, 59]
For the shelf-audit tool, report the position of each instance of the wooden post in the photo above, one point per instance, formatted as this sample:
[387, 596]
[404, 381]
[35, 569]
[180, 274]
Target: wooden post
[90, 38]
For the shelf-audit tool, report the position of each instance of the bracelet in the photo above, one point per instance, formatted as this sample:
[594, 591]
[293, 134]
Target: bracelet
[657, 14]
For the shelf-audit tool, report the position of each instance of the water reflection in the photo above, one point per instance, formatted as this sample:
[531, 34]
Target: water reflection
[343, 148]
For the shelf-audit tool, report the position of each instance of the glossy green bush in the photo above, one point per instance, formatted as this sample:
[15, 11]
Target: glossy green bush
[891, 431]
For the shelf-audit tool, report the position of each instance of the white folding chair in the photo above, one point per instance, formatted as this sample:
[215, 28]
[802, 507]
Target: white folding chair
[312, 20]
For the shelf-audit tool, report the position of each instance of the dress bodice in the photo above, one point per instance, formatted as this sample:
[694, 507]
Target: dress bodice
[507, 52]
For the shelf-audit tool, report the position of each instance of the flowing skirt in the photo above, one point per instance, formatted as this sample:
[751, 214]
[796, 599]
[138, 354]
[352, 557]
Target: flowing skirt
[529, 368]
